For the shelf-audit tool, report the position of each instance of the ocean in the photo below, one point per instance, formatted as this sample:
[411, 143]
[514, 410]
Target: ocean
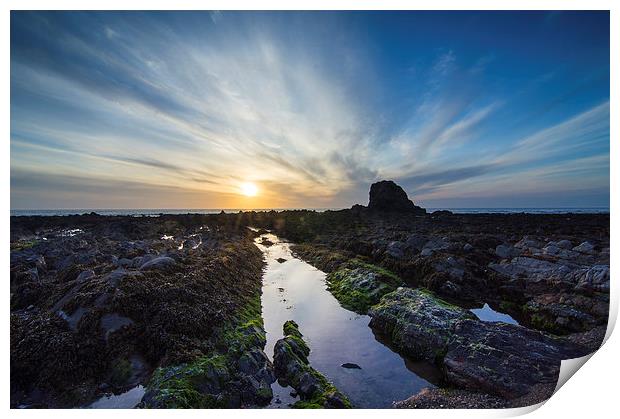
[156, 212]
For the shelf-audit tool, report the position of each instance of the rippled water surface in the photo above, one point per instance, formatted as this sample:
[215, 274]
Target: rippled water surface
[295, 290]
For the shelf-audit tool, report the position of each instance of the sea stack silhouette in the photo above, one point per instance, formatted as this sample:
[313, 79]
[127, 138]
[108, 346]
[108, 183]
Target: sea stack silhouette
[387, 196]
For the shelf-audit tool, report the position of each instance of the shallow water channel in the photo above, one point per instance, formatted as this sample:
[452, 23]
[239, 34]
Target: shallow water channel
[295, 290]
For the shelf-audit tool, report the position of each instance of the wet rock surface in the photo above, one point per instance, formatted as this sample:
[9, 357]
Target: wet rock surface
[292, 368]
[497, 358]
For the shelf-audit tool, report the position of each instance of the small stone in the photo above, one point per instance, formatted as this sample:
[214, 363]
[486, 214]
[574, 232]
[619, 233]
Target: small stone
[351, 365]
[159, 263]
[426, 252]
[585, 247]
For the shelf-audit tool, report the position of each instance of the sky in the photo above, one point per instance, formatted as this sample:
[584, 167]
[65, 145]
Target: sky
[186, 109]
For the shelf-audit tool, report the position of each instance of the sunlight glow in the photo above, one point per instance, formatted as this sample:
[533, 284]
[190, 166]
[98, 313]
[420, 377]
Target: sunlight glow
[249, 189]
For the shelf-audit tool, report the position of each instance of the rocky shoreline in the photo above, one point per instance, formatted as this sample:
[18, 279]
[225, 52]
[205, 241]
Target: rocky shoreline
[417, 275]
[100, 305]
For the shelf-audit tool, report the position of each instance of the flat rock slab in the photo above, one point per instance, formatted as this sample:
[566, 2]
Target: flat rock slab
[159, 263]
[504, 359]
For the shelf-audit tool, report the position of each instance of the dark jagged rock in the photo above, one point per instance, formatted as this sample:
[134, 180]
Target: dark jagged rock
[389, 197]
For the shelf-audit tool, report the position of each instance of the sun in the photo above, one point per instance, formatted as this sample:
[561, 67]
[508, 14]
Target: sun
[249, 189]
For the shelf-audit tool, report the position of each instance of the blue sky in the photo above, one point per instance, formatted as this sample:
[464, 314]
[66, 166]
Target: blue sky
[179, 110]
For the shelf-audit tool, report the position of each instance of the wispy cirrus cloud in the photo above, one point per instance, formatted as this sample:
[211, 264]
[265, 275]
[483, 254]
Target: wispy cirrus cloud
[199, 103]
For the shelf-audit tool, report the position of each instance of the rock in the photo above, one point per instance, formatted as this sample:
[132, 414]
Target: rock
[158, 263]
[141, 260]
[506, 251]
[266, 242]
[504, 359]
[529, 243]
[359, 288]
[452, 267]
[468, 247]
[39, 262]
[351, 365]
[556, 317]
[595, 278]
[441, 213]
[290, 360]
[31, 275]
[123, 263]
[389, 197]
[558, 252]
[416, 242]
[281, 260]
[85, 275]
[336, 400]
[426, 252]
[396, 249]
[497, 358]
[110, 323]
[308, 385]
[247, 364]
[585, 247]
[419, 324]
[437, 244]
[451, 289]
[533, 270]
[564, 244]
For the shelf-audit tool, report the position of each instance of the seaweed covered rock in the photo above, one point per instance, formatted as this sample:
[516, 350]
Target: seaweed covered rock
[359, 286]
[293, 368]
[419, 324]
[111, 301]
[497, 358]
[388, 196]
[237, 375]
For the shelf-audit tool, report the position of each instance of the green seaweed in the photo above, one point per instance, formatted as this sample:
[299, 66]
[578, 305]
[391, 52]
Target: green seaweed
[23, 244]
[183, 386]
[345, 285]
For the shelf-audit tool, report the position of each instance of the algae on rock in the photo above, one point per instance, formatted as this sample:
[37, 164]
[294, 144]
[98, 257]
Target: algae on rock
[293, 368]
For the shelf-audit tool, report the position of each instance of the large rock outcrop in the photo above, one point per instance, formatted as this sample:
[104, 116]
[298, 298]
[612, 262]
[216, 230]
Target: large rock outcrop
[496, 358]
[388, 196]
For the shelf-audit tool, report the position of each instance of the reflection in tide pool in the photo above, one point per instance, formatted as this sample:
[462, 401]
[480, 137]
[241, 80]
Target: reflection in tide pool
[127, 400]
[487, 314]
[293, 289]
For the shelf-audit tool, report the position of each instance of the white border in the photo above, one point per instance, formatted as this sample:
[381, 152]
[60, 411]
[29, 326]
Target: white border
[591, 394]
